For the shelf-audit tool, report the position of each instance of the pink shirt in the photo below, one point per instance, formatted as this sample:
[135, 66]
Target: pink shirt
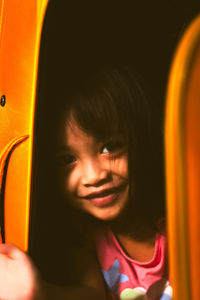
[128, 278]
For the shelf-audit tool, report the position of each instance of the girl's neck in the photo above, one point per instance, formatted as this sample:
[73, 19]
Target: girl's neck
[141, 251]
[135, 228]
[136, 238]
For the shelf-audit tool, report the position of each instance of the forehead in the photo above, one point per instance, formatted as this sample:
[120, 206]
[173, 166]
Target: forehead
[73, 132]
[71, 135]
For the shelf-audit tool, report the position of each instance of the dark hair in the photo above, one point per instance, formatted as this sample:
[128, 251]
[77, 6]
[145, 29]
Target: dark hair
[110, 103]
[105, 103]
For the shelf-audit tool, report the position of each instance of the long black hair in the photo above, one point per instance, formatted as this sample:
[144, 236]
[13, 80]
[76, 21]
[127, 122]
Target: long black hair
[110, 103]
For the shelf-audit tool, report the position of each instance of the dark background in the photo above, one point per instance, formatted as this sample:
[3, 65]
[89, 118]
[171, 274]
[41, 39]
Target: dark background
[79, 36]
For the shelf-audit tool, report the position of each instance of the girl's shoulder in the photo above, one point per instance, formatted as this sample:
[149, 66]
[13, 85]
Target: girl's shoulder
[114, 259]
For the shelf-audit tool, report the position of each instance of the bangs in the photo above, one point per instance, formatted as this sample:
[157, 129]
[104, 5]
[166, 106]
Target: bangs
[97, 116]
[99, 107]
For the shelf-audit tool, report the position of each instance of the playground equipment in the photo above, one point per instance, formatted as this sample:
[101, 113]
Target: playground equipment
[21, 23]
[20, 31]
[182, 147]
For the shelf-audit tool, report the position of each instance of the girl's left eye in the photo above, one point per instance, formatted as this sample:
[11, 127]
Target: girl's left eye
[66, 160]
[111, 147]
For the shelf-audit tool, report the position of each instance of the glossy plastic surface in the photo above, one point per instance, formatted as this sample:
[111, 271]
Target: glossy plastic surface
[20, 30]
[182, 146]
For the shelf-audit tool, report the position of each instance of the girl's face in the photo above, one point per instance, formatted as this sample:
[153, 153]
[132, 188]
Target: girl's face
[93, 174]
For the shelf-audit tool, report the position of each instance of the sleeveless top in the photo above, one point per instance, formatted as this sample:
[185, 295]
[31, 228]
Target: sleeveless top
[128, 279]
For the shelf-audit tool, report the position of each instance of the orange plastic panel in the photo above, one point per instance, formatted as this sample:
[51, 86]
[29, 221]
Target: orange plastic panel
[182, 144]
[20, 30]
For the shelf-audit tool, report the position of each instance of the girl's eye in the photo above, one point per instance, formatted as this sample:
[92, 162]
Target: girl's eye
[111, 147]
[66, 160]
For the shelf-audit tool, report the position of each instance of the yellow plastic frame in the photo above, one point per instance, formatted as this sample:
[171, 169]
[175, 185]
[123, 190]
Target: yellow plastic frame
[20, 30]
[182, 147]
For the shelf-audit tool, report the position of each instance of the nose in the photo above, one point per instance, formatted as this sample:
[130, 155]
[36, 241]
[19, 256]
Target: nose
[94, 173]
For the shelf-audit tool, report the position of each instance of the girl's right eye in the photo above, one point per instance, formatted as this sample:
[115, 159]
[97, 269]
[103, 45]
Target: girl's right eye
[66, 160]
[111, 147]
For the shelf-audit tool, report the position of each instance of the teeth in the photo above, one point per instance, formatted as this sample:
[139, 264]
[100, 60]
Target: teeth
[108, 192]
[101, 194]
[105, 193]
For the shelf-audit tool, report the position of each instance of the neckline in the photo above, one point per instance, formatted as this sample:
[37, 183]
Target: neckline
[139, 263]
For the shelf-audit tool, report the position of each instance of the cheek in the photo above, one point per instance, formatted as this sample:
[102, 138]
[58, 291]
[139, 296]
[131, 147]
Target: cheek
[68, 182]
[120, 167]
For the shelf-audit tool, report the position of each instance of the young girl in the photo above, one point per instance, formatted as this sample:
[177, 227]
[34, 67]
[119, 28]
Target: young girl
[106, 166]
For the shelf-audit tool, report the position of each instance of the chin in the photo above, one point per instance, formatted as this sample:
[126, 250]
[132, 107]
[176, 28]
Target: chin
[106, 214]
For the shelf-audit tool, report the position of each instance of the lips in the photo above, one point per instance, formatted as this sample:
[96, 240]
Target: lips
[105, 197]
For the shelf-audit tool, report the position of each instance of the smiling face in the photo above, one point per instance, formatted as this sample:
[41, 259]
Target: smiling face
[93, 174]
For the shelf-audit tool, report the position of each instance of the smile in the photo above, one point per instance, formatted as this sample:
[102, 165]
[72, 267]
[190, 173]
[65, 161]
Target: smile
[105, 197]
